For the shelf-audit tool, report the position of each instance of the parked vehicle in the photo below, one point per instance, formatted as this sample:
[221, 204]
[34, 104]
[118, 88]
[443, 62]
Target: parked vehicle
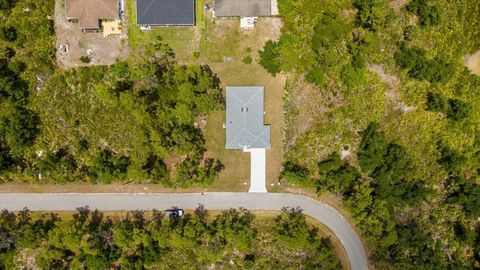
[174, 212]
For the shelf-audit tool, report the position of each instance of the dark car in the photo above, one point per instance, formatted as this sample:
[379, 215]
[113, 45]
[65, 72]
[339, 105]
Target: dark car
[174, 212]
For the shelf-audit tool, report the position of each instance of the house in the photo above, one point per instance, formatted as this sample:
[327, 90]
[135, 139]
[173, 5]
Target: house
[165, 12]
[245, 129]
[245, 8]
[89, 13]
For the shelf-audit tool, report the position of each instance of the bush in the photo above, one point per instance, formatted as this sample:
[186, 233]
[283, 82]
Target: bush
[414, 60]
[8, 33]
[458, 110]
[428, 14]
[454, 109]
[85, 59]
[352, 76]
[295, 174]
[372, 14]
[316, 75]
[7, 4]
[247, 60]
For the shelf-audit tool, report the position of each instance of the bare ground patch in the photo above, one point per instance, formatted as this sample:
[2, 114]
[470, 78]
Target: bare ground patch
[472, 62]
[104, 51]
[392, 94]
[397, 5]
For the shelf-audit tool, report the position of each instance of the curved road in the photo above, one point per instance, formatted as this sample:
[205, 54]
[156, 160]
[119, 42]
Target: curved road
[148, 201]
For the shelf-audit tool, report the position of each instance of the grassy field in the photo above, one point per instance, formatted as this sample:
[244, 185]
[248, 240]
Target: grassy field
[221, 44]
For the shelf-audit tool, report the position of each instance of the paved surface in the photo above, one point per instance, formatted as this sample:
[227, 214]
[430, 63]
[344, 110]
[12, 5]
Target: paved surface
[253, 201]
[257, 170]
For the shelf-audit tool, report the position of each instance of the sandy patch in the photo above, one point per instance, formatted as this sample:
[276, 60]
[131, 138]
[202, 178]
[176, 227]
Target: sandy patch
[392, 94]
[472, 62]
[397, 5]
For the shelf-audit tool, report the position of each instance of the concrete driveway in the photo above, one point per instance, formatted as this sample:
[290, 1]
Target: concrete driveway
[222, 200]
[257, 170]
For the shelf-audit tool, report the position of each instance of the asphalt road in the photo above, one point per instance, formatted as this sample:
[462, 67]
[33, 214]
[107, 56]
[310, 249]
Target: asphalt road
[252, 201]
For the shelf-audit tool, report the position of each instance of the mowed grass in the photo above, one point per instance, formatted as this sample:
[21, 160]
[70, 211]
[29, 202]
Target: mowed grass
[222, 45]
[184, 40]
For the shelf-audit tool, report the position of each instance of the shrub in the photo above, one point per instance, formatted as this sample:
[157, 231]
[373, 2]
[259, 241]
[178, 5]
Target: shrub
[436, 103]
[458, 110]
[8, 33]
[353, 74]
[85, 59]
[7, 4]
[372, 14]
[316, 75]
[454, 109]
[247, 60]
[428, 14]
[414, 60]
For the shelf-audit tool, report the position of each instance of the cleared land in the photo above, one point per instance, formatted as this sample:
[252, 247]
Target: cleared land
[105, 50]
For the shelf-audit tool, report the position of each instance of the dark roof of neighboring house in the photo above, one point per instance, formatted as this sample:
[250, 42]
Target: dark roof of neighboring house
[89, 12]
[245, 128]
[166, 12]
[243, 8]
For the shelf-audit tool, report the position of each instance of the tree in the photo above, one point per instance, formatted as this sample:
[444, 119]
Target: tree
[294, 173]
[465, 192]
[234, 227]
[19, 128]
[291, 227]
[270, 57]
[372, 149]
[107, 167]
[60, 165]
[337, 175]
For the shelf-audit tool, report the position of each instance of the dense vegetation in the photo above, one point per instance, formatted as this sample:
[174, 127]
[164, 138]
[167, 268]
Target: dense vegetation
[381, 112]
[232, 239]
[138, 120]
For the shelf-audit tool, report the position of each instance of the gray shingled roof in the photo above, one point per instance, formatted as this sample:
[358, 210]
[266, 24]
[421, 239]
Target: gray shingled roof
[245, 127]
[166, 12]
[243, 8]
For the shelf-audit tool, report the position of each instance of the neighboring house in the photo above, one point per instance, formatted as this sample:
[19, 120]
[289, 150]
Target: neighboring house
[89, 13]
[245, 129]
[165, 12]
[244, 8]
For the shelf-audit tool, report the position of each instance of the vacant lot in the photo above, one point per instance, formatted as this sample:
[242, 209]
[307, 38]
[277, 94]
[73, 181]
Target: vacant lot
[221, 44]
[104, 51]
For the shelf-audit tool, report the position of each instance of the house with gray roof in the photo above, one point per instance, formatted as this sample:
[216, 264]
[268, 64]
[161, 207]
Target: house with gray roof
[165, 12]
[245, 8]
[244, 124]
